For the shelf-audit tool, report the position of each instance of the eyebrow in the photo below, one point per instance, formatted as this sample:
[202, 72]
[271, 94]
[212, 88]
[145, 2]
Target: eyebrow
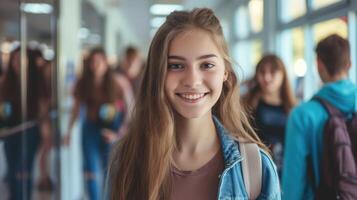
[199, 58]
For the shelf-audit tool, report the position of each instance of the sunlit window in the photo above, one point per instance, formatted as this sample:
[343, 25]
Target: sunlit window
[226, 29]
[337, 25]
[241, 22]
[256, 51]
[293, 52]
[256, 12]
[247, 54]
[292, 9]
[298, 43]
[316, 4]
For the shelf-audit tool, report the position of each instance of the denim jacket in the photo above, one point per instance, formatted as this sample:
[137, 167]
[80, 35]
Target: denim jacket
[231, 185]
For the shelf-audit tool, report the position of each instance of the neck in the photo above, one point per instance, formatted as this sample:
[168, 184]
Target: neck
[272, 98]
[337, 77]
[196, 135]
[98, 79]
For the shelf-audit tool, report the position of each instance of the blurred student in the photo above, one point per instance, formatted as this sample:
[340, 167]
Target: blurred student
[270, 99]
[305, 132]
[98, 98]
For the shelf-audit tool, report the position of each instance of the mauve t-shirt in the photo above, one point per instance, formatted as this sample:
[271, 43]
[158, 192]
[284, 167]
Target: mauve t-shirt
[201, 184]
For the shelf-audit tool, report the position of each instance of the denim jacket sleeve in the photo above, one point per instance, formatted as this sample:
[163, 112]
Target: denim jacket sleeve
[270, 183]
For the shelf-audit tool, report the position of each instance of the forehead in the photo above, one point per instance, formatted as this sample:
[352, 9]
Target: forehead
[98, 56]
[193, 42]
[268, 67]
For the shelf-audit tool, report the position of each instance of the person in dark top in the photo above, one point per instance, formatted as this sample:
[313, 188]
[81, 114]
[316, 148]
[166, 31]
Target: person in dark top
[270, 99]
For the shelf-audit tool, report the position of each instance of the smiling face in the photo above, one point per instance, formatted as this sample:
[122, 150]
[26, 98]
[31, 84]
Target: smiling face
[195, 73]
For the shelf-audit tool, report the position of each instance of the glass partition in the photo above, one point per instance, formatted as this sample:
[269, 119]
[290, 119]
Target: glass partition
[29, 153]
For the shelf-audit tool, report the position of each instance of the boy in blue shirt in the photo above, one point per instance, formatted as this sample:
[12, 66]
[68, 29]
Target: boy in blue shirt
[304, 132]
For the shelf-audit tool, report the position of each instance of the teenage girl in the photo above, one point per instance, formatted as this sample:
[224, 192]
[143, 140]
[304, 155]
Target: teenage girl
[98, 98]
[270, 100]
[183, 138]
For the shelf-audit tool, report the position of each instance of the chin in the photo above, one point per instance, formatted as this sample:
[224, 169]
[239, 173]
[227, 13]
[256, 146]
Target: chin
[192, 115]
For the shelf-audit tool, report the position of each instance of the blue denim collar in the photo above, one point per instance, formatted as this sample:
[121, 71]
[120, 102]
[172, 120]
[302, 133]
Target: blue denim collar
[229, 145]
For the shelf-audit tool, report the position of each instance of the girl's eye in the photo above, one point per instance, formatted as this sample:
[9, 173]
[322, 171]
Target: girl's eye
[207, 65]
[175, 66]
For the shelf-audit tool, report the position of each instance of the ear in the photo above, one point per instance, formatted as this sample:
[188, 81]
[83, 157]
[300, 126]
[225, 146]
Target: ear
[320, 65]
[349, 64]
[225, 75]
[321, 68]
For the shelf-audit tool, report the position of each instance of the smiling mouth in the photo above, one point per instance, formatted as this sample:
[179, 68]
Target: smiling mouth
[191, 97]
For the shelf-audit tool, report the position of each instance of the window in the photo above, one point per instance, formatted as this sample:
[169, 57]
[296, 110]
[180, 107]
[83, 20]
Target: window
[256, 11]
[293, 54]
[247, 54]
[337, 25]
[316, 4]
[292, 9]
[241, 22]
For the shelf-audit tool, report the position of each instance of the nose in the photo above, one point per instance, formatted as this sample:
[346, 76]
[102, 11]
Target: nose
[192, 77]
[268, 77]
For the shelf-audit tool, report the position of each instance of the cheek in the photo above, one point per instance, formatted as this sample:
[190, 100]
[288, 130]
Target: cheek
[103, 67]
[216, 82]
[169, 84]
[260, 80]
[279, 79]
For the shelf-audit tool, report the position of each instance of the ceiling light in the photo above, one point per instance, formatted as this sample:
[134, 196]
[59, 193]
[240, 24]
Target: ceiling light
[37, 8]
[164, 9]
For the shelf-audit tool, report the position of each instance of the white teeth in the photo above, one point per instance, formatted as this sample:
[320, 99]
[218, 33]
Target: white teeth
[192, 96]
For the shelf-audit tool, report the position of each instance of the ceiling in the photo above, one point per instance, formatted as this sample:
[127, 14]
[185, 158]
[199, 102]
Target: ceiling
[38, 25]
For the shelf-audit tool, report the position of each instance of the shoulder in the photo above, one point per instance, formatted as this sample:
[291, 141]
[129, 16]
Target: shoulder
[267, 161]
[308, 108]
[270, 179]
[307, 114]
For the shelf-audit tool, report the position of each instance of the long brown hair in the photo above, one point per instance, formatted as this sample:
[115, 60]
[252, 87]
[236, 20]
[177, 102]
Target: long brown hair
[84, 87]
[140, 162]
[252, 98]
[10, 90]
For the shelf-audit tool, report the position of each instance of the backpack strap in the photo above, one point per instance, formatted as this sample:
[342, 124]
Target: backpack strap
[252, 168]
[332, 110]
